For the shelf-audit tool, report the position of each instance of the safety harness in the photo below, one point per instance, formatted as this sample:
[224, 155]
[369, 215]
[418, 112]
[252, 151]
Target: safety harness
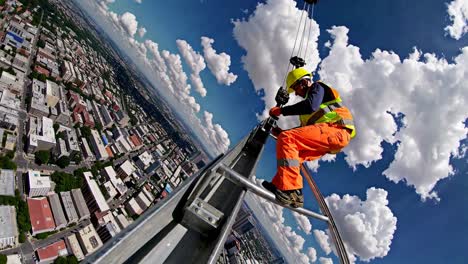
[333, 112]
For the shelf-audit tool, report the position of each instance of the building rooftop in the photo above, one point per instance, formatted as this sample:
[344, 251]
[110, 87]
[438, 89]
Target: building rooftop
[48, 133]
[69, 207]
[40, 215]
[57, 211]
[37, 181]
[52, 89]
[146, 159]
[117, 182]
[90, 240]
[110, 190]
[7, 182]
[80, 203]
[75, 247]
[52, 251]
[98, 144]
[8, 226]
[128, 167]
[135, 140]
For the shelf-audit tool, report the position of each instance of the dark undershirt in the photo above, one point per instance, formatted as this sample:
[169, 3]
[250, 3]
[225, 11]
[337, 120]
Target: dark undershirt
[309, 105]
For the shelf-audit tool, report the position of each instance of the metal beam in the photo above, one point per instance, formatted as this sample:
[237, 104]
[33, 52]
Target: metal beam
[252, 187]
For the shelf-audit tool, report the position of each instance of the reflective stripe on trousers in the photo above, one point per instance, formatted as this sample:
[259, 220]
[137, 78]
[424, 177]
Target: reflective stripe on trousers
[301, 144]
[288, 163]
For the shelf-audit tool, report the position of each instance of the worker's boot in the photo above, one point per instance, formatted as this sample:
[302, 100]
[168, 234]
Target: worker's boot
[293, 198]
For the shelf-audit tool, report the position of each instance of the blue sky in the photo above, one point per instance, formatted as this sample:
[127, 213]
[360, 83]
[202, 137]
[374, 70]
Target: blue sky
[399, 188]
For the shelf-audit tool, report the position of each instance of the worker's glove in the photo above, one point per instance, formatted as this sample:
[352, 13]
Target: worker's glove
[275, 131]
[275, 111]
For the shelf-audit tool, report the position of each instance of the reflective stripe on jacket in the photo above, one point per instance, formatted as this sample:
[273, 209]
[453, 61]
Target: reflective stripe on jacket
[332, 111]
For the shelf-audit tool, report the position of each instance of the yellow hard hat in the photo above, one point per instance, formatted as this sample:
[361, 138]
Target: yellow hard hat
[294, 76]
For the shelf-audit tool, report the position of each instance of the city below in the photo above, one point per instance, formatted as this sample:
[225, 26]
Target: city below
[81, 156]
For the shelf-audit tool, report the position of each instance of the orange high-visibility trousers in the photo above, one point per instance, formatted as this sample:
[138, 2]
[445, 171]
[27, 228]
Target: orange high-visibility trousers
[301, 144]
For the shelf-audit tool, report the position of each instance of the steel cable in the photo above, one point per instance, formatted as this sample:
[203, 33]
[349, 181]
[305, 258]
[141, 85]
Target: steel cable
[295, 42]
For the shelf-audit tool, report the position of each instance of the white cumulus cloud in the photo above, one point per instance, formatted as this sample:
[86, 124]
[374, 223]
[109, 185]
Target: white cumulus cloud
[196, 64]
[367, 227]
[139, 1]
[168, 72]
[323, 240]
[218, 63]
[458, 12]
[325, 260]
[129, 23]
[312, 254]
[384, 86]
[303, 222]
[215, 133]
[141, 32]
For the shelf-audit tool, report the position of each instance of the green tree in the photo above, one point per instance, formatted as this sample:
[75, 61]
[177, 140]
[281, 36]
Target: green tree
[22, 218]
[98, 126]
[42, 77]
[66, 182]
[63, 162]
[67, 260]
[85, 131]
[3, 259]
[60, 260]
[77, 158]
[61, 135]
[42, 157]
[10, 154]
[7, 163]
[22, 238]
[56, 127]
[45, 235]
[41, 43]
[72, 260]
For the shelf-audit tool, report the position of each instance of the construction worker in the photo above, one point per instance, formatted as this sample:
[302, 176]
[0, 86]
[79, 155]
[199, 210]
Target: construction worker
[326, 127]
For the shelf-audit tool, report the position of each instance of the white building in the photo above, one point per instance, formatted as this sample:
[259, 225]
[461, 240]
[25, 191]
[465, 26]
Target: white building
[38, 185]
[144, 160]
[8, 228]
[125, 170]
[75, 247]
[11, 82]
[52, 93]
[41, 134]
[133, 207]
[89, 240]
[119, 185]
[111, 192]
[142, 201]
[98, 146]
